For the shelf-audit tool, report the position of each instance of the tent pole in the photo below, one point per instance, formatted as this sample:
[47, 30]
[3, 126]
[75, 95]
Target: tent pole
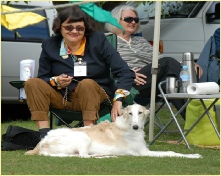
[154, 67]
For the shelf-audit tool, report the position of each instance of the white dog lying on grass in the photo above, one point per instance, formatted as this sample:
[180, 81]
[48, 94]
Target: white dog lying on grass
[125, 136]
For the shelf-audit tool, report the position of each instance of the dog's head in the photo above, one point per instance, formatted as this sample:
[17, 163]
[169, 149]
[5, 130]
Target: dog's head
[136, 116]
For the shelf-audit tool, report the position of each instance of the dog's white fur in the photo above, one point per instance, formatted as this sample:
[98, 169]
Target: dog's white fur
[125, 136]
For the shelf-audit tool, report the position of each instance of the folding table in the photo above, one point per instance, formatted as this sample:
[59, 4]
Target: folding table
[189, 98]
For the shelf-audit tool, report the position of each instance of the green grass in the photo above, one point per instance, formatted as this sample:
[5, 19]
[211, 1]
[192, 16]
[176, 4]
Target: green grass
[16, 163]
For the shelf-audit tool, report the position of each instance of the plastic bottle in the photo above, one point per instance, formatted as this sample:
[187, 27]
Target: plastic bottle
[185, 77]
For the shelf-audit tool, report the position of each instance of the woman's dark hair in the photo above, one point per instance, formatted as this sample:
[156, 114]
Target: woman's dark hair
[74, 14]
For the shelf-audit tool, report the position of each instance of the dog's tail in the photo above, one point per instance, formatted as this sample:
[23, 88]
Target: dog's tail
[172, 154]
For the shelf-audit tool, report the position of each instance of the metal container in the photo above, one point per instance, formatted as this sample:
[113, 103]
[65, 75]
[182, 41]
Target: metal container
[188, 59]
[172, 85]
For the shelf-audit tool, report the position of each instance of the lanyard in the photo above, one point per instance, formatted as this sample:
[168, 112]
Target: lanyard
[74, 58]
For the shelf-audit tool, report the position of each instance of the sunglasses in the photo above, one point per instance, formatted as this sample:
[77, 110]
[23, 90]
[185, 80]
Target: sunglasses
[130, 19]
[71, 28]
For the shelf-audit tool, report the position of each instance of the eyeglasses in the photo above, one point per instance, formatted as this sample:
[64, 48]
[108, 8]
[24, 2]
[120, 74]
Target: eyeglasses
[130, 19]
[71, 28]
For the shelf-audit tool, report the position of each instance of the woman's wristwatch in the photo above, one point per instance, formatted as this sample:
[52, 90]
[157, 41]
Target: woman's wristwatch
[55, 80]
[120, 99]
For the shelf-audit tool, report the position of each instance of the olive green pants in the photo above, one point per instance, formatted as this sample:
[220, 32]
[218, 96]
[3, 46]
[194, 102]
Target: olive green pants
[87, 98]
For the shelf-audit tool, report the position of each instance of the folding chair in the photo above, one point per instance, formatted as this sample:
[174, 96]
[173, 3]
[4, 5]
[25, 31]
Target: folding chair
[65, 117]
[112, 38]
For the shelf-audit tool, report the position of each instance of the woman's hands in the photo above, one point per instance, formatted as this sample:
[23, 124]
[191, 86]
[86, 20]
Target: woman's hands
[139, 77]
[64, 80]
[116, 110]
[200, 69]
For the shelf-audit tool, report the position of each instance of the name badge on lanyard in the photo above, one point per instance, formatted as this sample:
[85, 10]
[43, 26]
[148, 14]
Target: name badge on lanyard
[80, 68]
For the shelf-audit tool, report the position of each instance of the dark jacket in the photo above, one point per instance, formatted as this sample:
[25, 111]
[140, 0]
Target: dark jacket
[217, 40]
[100, 57]
[209, 62]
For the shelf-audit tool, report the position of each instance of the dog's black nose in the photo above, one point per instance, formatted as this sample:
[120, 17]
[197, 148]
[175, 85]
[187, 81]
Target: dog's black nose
[135, 127]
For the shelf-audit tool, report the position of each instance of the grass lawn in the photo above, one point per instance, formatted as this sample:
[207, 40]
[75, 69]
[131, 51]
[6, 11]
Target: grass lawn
[16, 163]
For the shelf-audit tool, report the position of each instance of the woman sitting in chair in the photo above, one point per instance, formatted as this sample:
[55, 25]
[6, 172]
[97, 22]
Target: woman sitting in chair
[138, 53]
[74, 72]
